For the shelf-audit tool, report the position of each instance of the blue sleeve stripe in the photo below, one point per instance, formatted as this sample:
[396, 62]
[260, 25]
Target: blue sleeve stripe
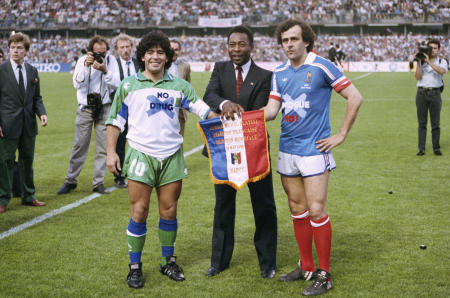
[123, 112]
[185, 103]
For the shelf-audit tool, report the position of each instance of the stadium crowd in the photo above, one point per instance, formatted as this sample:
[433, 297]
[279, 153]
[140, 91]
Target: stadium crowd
[82, 13]
[54, 49]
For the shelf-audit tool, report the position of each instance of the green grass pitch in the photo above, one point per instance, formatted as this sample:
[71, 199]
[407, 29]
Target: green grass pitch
[376, 235]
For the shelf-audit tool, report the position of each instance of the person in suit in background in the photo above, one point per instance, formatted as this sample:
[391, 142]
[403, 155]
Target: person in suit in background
[332, 53]
[16, 192]
[20, 101]
[127, 66]
[236, 86]
[180, 69]
[340, 56]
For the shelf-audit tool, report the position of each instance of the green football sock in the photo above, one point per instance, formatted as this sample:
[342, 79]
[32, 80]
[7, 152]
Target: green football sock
[167, 235]
[136, 239]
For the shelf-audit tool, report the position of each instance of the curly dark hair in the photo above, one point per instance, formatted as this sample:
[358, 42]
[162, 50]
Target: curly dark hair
[150, 40]
[308, 34]
[434, 41]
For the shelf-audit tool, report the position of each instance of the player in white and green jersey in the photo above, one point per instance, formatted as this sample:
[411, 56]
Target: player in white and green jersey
[151, 101]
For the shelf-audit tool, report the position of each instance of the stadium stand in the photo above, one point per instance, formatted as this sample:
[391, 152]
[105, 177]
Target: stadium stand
[55, 49]
[369, 30]
[86, 13]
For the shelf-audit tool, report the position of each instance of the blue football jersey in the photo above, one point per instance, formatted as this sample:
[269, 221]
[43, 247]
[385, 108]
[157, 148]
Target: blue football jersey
[305, 94]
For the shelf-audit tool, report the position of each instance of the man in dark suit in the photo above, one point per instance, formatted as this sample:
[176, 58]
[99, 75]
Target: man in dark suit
[236, 86]
[332, 53]
[20, 101]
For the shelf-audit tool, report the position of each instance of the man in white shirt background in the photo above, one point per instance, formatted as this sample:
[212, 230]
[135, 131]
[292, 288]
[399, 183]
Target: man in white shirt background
[127, 66]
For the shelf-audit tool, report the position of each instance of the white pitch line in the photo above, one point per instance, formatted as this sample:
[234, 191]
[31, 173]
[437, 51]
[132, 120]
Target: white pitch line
[362, 76]
[63, 209]
[89, 198]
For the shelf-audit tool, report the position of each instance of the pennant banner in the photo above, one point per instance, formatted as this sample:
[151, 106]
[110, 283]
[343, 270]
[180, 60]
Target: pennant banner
[238, 150]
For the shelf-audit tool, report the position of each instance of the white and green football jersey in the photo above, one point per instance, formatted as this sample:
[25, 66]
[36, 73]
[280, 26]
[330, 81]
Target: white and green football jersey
[152, 112]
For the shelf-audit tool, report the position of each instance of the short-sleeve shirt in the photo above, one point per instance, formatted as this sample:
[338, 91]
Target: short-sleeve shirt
[152, 109]
[430, 78]
[305, 94]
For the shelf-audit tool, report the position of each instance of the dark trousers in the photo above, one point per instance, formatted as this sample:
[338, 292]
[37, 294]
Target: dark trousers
[16, 184]
[429, 100]
[120, 150]
[265, 214]
[8, 147]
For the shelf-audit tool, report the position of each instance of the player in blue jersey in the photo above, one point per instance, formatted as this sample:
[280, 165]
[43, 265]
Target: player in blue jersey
[302, 88]
[150, 101]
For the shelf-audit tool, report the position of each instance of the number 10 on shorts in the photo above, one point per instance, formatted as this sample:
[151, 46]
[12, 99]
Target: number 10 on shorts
[138, 167]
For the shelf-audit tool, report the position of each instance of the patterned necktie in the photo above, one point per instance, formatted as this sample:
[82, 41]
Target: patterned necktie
[128, 67]
[21, 83]
[239, 81]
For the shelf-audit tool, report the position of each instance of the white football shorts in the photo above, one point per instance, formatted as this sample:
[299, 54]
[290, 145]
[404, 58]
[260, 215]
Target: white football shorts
[305, 166]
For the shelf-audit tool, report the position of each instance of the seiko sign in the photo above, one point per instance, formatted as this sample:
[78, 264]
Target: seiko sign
[52, 67]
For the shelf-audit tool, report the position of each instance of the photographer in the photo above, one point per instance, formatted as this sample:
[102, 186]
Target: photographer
[429, 72]
[94, 80]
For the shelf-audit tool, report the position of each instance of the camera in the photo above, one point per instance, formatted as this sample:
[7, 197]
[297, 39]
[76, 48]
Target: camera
[98, 56]
[94, 102]
[423, 49]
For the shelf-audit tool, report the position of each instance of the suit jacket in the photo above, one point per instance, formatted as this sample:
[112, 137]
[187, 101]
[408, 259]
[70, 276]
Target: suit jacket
[254, 92]
[17, 114]
[184, 70]
[332, 54]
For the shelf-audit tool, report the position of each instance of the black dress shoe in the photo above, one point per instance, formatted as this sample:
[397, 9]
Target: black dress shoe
[270, 273]
[420, 153]
[437, 152]
[35, 203]
[212, 271]
[66, 187]
[100, 189]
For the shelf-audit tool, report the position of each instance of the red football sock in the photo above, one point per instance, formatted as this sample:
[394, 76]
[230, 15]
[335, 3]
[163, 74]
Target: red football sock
[303, 234]
[322, 239]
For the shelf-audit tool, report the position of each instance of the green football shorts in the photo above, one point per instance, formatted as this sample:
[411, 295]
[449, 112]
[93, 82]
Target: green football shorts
[153, 171]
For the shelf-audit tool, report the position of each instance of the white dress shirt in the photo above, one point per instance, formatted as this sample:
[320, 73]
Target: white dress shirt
[16, 72]
[173, 69]
[133, 70]
[245, 70]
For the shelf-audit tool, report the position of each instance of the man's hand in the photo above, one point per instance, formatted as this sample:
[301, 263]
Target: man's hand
[100, 66]
[113, 162]
[89, 59]
[329, 143]
[1, 132]
[427, 58]
[44, 120]
[230, 108]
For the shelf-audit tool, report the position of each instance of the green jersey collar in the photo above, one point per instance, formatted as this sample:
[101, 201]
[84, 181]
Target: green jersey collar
[166, 77]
